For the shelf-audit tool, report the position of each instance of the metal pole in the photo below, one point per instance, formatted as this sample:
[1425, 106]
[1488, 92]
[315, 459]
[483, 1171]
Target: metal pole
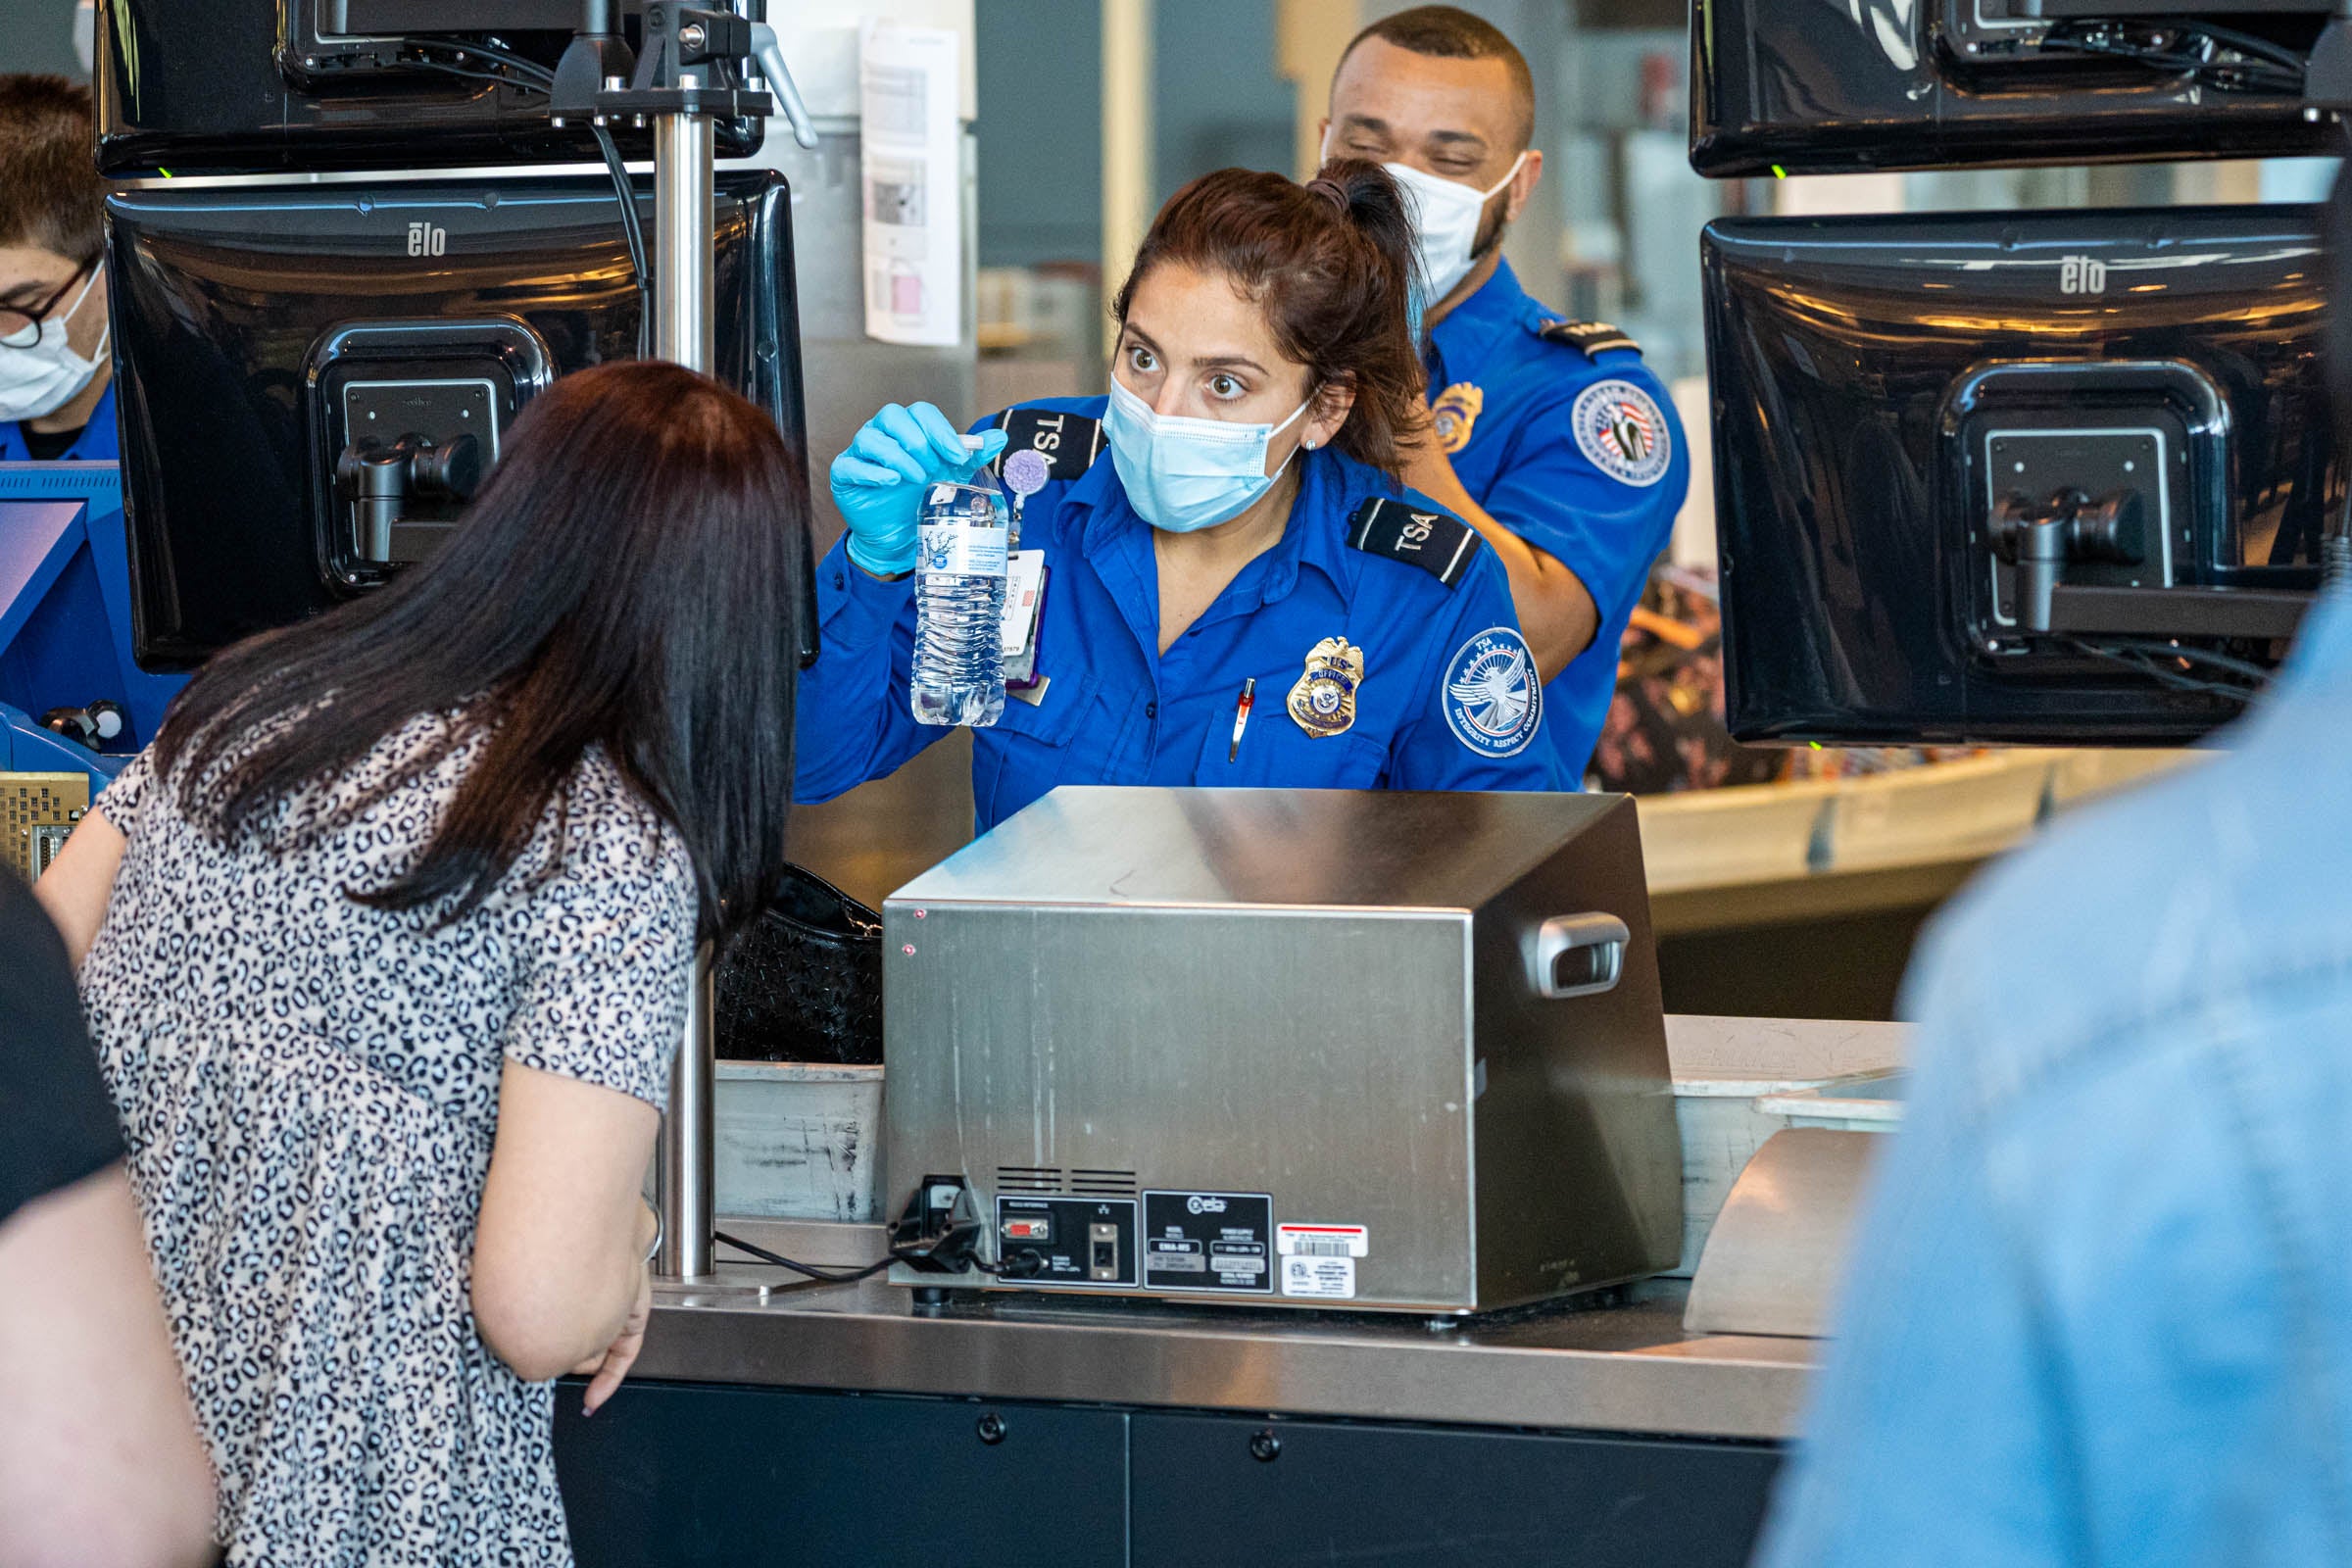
[682, 238]
[684, 1174]
[682, 334]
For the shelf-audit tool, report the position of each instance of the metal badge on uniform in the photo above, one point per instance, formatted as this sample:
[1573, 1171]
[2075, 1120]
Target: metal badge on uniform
[1619, 428]
[1323, 703]
[1494, 702]
[1453, 414]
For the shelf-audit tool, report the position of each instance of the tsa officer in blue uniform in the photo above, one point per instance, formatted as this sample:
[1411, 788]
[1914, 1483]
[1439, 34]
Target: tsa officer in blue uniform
[1238, 592]
[57, 397]
[1552, 439]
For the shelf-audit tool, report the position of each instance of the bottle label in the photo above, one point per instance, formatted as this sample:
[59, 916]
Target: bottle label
[961, 552]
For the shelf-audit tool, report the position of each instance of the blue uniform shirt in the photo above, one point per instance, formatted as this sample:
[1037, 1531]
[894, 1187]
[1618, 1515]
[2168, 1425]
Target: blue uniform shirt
[1581, 455]
[2099, 1307]
[97, 442]
[1116, 710]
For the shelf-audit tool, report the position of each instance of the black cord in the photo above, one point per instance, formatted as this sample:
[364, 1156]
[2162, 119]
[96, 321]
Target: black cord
[2130, 656]
[632, 231]
[827, 1276]
[2269, 65]
[528, 68]
[851, 1276]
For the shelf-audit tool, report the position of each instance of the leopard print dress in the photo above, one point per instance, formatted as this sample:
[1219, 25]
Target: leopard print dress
[308, 1089]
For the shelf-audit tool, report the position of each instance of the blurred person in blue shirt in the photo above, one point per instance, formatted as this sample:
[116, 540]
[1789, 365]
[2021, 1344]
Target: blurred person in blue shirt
[2100, 1304]
[1237, 590]
[1549, 436]
[57, 396]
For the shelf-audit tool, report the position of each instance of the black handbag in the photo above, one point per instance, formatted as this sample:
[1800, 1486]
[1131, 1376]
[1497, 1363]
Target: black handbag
[804, 982]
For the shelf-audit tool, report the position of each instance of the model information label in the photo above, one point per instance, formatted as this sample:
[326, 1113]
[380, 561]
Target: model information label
[1325, 1241]
[1208, 1242]
[1330, 1277]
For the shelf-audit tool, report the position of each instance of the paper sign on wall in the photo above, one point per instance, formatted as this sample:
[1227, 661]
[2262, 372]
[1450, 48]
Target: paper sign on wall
[914, 183]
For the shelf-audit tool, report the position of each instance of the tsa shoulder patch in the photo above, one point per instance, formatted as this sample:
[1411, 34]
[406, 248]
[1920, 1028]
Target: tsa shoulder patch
[1493, 700]
[1622, 431]
[1068, 442]
[1437, 542]
[1586, 337]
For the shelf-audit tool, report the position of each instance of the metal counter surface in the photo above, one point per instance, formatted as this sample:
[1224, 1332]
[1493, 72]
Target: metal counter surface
[1623, 1369]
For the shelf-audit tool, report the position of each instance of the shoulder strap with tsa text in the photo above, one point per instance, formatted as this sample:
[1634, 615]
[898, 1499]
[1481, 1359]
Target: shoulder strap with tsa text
[1437, 542]
[1068, 442]
[1588, 337]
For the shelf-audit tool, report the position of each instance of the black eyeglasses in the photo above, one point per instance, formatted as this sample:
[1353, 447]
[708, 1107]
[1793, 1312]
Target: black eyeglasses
[20, 325]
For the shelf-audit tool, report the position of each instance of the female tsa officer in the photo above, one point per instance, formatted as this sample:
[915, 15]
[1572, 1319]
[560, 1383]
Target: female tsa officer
[1238, 591]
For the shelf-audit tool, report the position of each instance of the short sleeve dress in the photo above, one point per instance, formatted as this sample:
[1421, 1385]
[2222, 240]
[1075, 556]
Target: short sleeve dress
[309, 1090]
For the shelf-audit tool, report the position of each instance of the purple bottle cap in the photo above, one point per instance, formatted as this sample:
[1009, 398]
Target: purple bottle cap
[1025, 471]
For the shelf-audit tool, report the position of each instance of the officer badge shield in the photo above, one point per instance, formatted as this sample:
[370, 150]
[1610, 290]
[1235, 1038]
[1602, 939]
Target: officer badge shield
[1453, 413]
[1493, 698]
[1323, 703]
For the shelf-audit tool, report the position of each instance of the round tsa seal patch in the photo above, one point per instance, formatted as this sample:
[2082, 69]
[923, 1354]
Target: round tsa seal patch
[1493, 698]
[1619, 427]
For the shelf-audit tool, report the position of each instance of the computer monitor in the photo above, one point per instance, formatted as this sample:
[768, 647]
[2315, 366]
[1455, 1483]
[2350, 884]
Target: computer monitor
[64, 620]
[268, 339]
[234, 86]
[1900, 401]
[1809, 86]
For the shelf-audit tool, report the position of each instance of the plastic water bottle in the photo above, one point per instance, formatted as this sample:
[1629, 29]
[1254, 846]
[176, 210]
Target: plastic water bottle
[961, 534]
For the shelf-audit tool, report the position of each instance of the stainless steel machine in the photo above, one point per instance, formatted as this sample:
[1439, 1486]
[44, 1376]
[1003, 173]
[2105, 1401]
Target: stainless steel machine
[1295, 1048]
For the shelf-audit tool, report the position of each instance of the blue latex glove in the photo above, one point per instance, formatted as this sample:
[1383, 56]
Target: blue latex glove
[878, 483]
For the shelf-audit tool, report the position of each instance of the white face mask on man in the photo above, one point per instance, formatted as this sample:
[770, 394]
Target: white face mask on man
[43, 375]
[1445, 221]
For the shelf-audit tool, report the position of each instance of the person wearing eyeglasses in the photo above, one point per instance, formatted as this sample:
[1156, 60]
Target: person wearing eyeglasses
[57, 395]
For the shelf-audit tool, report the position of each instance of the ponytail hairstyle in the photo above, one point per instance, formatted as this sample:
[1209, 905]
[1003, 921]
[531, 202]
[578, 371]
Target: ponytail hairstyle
[1330, 263]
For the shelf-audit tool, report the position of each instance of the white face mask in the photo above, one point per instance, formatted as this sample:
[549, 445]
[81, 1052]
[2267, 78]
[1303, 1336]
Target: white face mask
[46, 375]
[1445, 222]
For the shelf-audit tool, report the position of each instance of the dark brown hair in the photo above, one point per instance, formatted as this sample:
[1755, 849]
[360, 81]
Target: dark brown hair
[1331, 264]
[626, 578]
[50, 192]
[1449, 32]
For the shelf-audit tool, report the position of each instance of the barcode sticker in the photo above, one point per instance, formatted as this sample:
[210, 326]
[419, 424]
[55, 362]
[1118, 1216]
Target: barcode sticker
[1322, 1241]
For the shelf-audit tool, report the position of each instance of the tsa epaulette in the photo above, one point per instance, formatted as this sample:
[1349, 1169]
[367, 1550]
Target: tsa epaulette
[1588, 337]
[1068, 442]
[1437, 542]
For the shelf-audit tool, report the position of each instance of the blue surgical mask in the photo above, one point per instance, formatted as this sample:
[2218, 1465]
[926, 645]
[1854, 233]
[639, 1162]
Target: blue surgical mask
[1184, 474]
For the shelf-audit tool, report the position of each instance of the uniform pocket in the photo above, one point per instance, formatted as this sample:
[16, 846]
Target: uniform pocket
[1276, 754]
[1026, 752]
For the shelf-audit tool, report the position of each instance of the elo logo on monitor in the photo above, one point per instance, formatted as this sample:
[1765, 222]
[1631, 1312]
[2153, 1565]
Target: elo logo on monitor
[427, 239]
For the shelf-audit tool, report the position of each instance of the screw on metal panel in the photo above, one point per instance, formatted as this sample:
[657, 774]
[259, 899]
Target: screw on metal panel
[1264, 1446]
[992, 1429]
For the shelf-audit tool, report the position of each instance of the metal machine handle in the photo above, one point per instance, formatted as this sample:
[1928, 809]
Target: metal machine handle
[771, 54]
[1577, 955]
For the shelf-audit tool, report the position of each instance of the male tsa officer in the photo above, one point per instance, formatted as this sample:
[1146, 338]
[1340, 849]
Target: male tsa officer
[1550, 437]
[57, 396]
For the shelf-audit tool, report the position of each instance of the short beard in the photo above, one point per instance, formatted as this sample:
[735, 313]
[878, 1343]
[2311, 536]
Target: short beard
[1490, 231]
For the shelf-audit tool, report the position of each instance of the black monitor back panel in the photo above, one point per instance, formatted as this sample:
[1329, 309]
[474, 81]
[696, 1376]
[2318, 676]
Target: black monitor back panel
[228, 86]
[1829, 86]
[1881, 385]
[261, 333]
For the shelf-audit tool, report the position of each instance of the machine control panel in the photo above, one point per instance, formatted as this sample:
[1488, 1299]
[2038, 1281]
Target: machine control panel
[1081, 1241]
[1221, 1241]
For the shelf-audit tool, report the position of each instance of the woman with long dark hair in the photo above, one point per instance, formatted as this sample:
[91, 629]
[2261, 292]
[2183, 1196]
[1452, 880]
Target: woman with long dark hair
[1239, 589]
[387, 944]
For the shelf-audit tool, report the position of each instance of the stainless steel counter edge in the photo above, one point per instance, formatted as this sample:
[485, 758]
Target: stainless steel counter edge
[1622, 1370]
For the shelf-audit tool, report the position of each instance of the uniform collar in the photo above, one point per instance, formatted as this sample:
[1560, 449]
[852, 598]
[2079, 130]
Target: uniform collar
[1330, 488]
[1470, 330]
[99, 441]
